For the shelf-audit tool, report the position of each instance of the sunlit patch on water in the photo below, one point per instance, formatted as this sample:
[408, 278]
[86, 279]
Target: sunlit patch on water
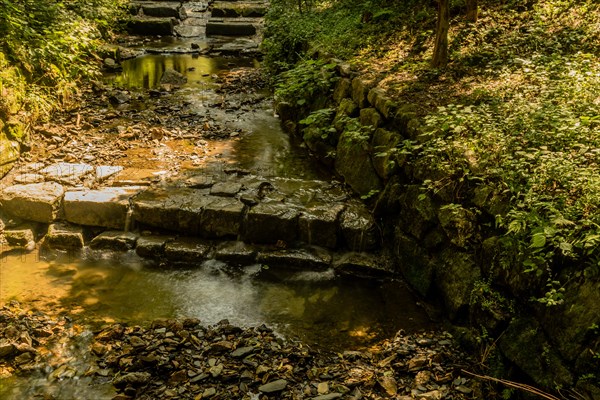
[318, 307]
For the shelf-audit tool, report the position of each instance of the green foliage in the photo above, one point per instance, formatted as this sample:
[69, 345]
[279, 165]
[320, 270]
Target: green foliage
[319, 123]
[45, 51]
[306, 80]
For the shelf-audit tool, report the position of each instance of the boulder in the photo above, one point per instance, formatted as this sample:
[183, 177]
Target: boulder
[163, 9]
[456, 273]
[360, 90]
[23, 237]
[39, 202]
[353, 162]
[236, 252]
[386, 158]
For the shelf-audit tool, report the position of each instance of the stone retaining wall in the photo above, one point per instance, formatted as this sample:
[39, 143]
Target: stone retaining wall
[447, 249]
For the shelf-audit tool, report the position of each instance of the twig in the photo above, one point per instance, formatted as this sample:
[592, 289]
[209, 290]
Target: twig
[516, 385]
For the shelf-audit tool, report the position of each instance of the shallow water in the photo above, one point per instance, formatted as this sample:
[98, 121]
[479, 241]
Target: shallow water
[317, 307]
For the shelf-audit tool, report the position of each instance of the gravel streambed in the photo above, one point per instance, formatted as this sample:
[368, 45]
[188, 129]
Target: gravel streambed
[182, 359]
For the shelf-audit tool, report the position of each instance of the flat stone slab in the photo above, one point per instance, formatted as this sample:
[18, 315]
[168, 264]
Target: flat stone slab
[103, 172]
[270, 223]
[304, 259]
[160, 9]
[187, 250]
[151, 26]
[200, 181]
[114, 240]
[221, 217]
[189, 31]
[67, 173]
[363, 264]
[152, 246]
[230, 28]
[163, 208]
[106, 207]
[228, 189]
[39, 202]
[238, 9]
[236, 252]
[64, 236]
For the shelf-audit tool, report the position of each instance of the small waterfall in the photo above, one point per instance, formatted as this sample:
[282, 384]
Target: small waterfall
[128, 219]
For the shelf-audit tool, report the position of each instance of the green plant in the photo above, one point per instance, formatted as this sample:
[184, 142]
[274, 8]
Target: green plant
[308, 78]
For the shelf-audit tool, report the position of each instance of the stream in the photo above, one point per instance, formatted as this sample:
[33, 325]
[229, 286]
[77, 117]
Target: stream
[95, 288]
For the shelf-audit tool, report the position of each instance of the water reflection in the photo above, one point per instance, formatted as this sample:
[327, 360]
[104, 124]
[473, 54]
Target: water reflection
[146, 71]
[315, 306]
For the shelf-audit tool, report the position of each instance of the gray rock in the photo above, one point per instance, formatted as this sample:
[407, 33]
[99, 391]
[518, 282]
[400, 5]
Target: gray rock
[305, 259]
[370, 117]
[103, 172]
[229, 28]
[150, 26]
[379, 99]
[228, 189]
[241, 352]
[151, 246]
[163, 9]
[235, 253]
[272, 387]
[38, 202]
[106, 207]
[114, 240]
[360, 90]
[319, 225]
[132, 378]
[187, 250]
[67, 173]
[172, 209]
[200, 181]
[221, 217]
[64, 236]
[363, 264]
[271, 222]
[23, 237]
[358, 228]
[353, 162]
[172, 77]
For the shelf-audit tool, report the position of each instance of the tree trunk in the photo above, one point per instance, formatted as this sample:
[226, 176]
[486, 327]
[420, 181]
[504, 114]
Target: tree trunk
[472, 10]
[440, 51]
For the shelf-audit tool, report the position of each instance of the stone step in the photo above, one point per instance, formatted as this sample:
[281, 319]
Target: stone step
[238, 9]
[160, 9]
[231, 27]
[151, 26]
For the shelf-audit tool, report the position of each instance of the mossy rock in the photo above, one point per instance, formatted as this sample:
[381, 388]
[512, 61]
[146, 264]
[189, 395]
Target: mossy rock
[459, 224]
[525, 344]
[414, 262]
[456, 273]
[9, 154]
[353, 162]
[387, 160]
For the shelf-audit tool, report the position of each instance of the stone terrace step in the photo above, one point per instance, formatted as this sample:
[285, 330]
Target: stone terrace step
[248, 208]
[232, 26]
[238, 9]
[151, 26]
